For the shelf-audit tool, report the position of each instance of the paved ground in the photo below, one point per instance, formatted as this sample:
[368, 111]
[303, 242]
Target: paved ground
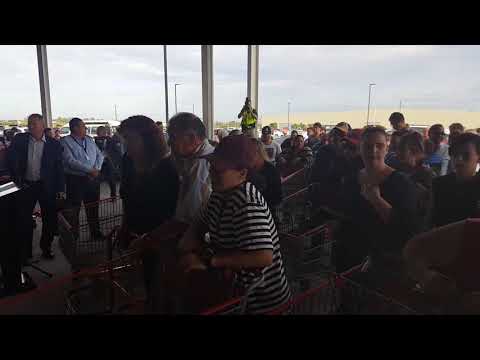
[49, 297]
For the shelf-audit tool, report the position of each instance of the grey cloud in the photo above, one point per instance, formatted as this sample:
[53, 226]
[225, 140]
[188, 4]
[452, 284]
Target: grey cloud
[89, 80]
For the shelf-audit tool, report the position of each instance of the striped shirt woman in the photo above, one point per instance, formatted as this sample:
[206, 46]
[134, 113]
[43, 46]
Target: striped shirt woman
[241, 220]
[243, 236]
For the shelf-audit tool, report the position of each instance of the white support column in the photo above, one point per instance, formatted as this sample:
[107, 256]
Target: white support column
[252, 75]
[44, 84]
[207, 88]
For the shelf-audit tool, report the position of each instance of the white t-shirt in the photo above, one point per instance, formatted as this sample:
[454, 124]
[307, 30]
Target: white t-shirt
[272, 150]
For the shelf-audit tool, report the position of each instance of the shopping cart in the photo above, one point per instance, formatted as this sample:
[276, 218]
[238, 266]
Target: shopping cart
[293, 211]
[307, 258]
[117, 286]
[235, 306]
[339, 295]
[296, 214]
[113, 287]
[84, 231]
[294, 182]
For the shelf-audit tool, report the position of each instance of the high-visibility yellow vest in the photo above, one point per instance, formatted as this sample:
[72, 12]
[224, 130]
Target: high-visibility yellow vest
[248, 121]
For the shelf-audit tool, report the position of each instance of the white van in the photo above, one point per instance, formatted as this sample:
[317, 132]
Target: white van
[92, 126]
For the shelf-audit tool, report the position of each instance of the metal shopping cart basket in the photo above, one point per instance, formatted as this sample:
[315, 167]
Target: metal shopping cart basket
[339, 295]
[113, 287]
[297, 213]
[307, 258]
[294, 182]
[85, 231]
[117, 286]
[306, 239]
[293, 211]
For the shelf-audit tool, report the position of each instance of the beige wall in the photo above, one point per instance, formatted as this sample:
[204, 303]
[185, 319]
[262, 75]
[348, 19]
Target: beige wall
[357, 119]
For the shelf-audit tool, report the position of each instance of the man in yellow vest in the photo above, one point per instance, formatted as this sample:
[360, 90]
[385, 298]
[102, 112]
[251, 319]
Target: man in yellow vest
[249, 117]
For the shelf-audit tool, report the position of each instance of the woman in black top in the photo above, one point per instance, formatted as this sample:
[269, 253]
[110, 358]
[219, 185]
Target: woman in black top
[383, 212]
[456, 196]
[411, 153]
[149, 185]
[266, 177]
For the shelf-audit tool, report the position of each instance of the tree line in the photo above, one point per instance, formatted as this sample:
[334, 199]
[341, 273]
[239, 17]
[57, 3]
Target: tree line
[62, 121]
[58, 122]
[295, 126]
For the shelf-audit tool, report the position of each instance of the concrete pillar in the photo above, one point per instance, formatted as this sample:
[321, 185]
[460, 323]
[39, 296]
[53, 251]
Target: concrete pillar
[44, 84]
[207, 88]
[252, 75]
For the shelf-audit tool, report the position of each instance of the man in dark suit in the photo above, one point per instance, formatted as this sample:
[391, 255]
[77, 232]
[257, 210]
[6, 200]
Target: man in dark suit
[35, 163]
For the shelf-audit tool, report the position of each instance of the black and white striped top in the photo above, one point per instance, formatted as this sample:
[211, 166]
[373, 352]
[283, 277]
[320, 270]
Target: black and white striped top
[241, 220]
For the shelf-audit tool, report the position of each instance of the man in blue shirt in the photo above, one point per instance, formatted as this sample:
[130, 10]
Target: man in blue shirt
[82, 161]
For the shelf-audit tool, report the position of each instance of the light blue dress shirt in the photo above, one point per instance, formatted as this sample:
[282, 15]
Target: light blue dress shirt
[81, 156]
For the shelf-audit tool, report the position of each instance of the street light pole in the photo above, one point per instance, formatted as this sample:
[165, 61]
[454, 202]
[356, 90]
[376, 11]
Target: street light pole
[193, 111]
[288, 116]
[369, 95]
[166, 81]
[176, 97]
[116, 113]
[400, 106]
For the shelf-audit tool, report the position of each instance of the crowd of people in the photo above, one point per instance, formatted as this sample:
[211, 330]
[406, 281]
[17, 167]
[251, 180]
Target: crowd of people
[222, 195]
[389, 193]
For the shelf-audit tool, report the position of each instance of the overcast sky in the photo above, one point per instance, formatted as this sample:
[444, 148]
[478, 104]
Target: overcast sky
[87, 81]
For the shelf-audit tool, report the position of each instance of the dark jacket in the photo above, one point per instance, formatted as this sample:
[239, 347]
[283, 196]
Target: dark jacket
[51, 172]
[116, 150]
[151, 199]
[269, 183]
[454, 200]
[104, 143]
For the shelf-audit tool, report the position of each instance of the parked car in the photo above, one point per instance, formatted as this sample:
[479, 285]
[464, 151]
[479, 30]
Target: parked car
[92, 127]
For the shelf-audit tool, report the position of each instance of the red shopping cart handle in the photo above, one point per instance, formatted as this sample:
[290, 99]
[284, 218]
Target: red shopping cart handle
[292, 175]
[334, 213]
[202, 291]
[216, 310]
[164, 235]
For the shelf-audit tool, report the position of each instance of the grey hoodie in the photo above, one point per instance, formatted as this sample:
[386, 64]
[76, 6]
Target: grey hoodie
[195, 183]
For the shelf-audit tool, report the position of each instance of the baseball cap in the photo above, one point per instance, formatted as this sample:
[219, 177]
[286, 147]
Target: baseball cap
[267, 130]
[396, 117]
[343, 128]
[234, 152]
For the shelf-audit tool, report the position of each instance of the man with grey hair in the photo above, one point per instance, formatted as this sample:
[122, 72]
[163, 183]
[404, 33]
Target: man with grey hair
[36, 164]
[188, 140]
